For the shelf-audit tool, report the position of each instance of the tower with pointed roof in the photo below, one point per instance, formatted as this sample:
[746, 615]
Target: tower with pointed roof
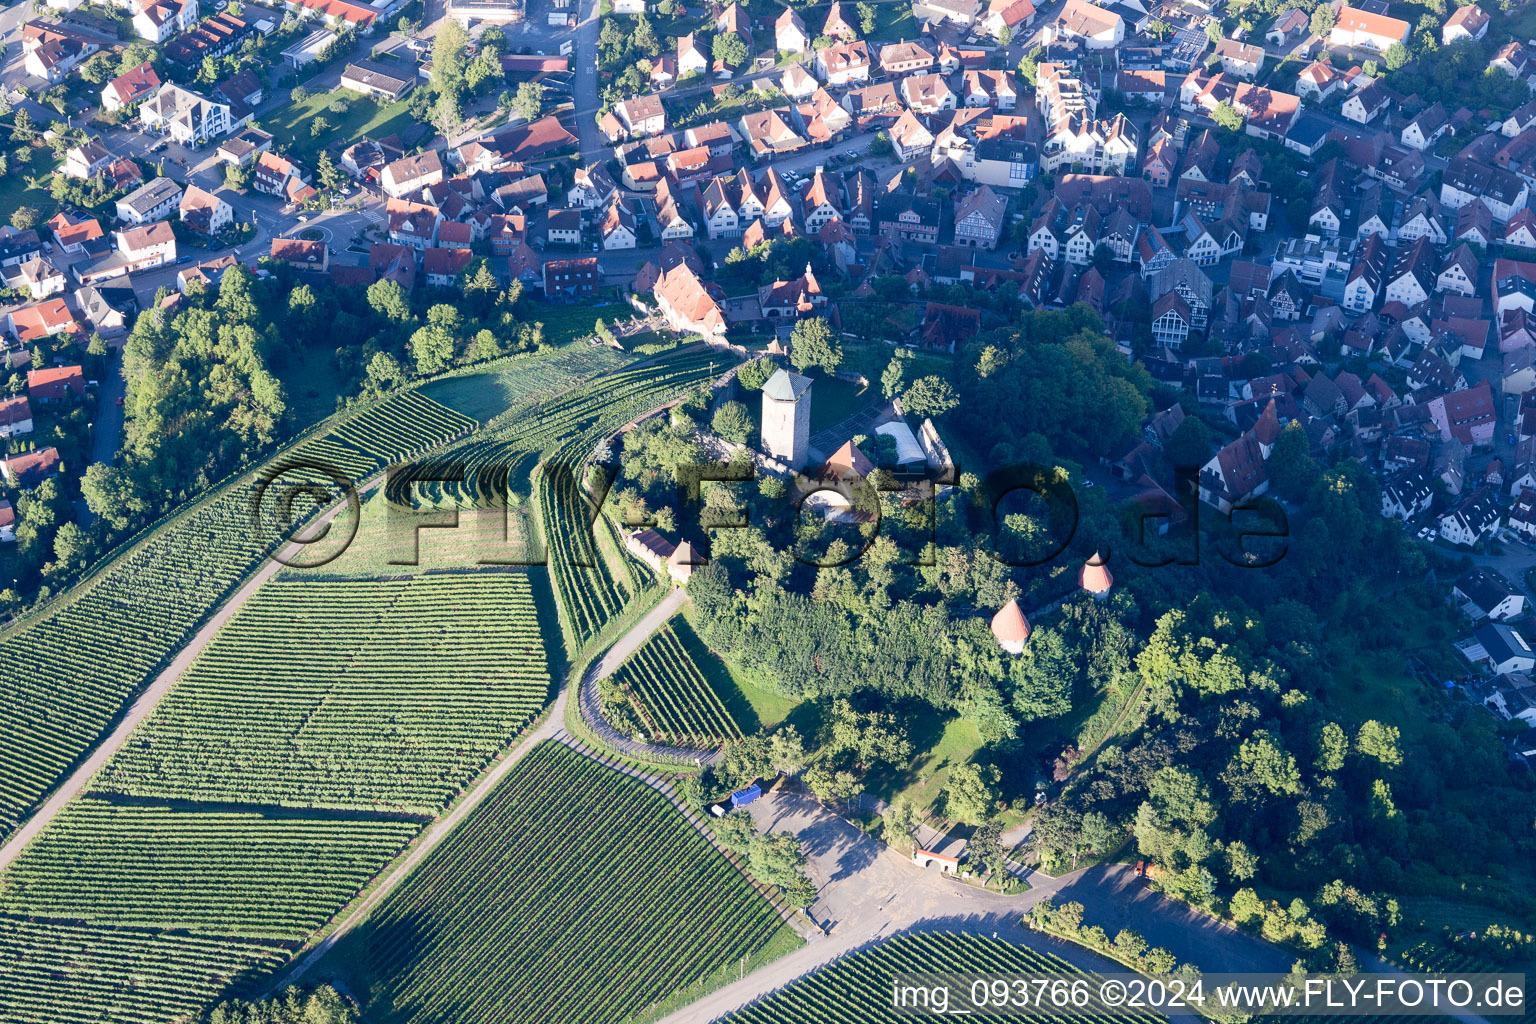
[1095, 578]
[787, 418]
[1011, 628]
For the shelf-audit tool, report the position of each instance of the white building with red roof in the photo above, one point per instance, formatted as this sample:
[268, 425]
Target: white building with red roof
[1360, 29]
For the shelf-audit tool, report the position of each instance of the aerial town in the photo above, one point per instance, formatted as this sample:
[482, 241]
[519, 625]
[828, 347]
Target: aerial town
[636, 511]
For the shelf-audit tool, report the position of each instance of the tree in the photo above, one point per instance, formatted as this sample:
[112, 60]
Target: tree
[1381, 742]
[1004, 36]
[319, 126]
[1189, 444]
[985, 847]
[1322, 20]
[970, 795]
[98, 70]
[1242, 863]
[236, 177]
[325, 170]
[929, 396]
[891, 379]
[1214, 32]
[299, 94]
[1292, 470]
[1171, 824]
[813, 344]
[867, 16]
[448, 113]
[432, 347]
[529, 101]
[729, 48]
[387, 299]
[1396, 56]
[881, 144]
[25, 217]
[1160, 29]
[900, 822]
[1226, 116]
[449, 48]
[1029, 68]
[733, 422]
[787, 750]
[752, 376]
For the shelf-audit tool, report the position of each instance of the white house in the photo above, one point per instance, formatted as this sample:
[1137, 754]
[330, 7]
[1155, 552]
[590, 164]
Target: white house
[188, 118]
[1485, 594]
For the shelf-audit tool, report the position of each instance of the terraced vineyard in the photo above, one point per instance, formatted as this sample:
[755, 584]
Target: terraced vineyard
[858, 988]
[69, 974]
[672, 697]
[307, 744]
[70, 671]
[502, 390]
[348, 694]
[218, 872]
[562, 840]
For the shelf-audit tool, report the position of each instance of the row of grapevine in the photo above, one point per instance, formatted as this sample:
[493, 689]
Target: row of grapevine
[54, 973]
[387, 433]
[387, 695]
[567, 430]
[605, 900]
[70, 671]
[672, 696]
[859, 987]
[353, 702]
[242, 873]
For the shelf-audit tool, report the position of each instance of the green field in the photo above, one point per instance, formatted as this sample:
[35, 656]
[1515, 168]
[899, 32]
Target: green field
[291, 125]
[834, 400]
[374, 695]
[606, 901]
[859, 987]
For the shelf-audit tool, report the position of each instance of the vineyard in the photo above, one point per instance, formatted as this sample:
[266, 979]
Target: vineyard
[70, 672]
[606, 900]
[671, 696]
[300, 752]
[858, 988]
[501, 391]
[347, 694]
[230, 873]
[69, 974]
[405, 425]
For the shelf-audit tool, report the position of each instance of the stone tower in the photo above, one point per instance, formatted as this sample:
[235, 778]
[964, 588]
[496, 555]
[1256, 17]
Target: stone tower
[787, 418]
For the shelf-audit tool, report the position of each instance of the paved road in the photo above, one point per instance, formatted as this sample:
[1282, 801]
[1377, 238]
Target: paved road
[155, 693]
[107, 432]
[868, 892]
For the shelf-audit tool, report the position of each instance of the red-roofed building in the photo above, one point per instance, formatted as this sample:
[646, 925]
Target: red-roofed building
[130, 87]
[443, 266]
[1095, 577]
[572, 280]
[1011, 628]
[55, 384]
[28, 470]
[1356, 28]
[1467, 416]
[43, 320]
[301, 254]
